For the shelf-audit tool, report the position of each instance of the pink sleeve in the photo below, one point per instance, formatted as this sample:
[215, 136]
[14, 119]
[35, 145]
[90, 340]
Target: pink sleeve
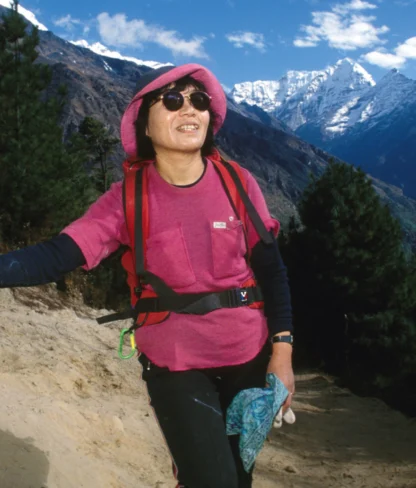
[256, 196]
[97, 232]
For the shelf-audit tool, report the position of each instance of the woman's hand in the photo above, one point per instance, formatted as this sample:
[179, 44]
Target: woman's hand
[281, 365]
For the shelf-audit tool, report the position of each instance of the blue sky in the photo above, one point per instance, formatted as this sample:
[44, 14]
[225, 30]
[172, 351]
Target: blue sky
[245, 40]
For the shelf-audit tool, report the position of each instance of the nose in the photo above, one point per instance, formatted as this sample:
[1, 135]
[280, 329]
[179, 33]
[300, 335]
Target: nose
[187, 106]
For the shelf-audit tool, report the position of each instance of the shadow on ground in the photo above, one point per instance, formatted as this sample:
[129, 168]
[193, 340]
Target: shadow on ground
[22, 465]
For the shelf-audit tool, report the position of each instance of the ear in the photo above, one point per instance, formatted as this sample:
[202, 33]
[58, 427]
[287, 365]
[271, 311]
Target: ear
[147, 130]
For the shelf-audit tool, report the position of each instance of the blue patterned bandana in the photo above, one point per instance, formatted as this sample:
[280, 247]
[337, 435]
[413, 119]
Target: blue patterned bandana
[251, 415]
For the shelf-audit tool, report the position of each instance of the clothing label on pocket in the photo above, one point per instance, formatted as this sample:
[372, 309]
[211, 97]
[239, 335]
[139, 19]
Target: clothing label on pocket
[220, 225]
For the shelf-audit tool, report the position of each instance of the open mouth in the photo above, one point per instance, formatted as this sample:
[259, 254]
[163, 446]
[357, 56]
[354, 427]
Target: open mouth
[188, 128]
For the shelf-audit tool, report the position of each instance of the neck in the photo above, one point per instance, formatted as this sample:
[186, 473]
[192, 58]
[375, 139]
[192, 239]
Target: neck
[179, 168]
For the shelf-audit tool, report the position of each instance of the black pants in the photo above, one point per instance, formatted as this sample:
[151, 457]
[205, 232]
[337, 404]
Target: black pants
[190, 407]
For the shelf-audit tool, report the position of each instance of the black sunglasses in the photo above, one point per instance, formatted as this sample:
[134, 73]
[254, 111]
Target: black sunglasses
[173, 100]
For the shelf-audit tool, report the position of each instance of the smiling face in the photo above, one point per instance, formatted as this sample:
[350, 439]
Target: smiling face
[182, 131]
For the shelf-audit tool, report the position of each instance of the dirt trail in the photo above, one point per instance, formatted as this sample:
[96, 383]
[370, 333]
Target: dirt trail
[72, 415]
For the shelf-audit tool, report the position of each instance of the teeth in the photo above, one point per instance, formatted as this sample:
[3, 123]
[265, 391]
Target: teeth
[188, 127]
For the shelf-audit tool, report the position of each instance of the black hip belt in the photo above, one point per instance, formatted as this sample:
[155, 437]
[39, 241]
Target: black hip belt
[191, 303]
[201, 303]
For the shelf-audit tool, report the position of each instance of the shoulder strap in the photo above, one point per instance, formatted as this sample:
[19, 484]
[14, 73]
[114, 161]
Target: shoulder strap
[129, 200]
[136, 207]
[137, 216]
[236, 186]
[137, 213]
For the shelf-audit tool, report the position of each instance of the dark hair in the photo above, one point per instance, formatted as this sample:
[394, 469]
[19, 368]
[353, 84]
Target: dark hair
[145, 149]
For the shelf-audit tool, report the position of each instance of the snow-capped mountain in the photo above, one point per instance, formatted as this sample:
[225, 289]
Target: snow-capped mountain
[97, 47]
[380, 101]
[100, 49]
[390, 93]
[301, 96]
[343, 110]
[30, 16]
[376, 131]
[382, 140]
[335, 101]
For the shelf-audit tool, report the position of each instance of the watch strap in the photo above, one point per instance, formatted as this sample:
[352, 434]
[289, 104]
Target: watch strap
[284, 338]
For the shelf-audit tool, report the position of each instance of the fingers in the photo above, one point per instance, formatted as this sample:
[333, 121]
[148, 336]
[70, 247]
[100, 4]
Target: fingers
[288, 402]
[278, 419]
[288, 416]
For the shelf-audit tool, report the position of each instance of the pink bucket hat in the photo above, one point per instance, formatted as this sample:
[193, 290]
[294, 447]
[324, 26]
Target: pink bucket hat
[158, 78]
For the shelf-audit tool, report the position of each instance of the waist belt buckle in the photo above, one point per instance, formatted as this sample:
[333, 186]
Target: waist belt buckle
[243, 296]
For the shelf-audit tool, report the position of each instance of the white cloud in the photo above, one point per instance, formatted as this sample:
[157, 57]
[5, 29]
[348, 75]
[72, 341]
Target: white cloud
[344, 27]
[346, 8]
[401, 54]
[305, 43]
[384, 59]
[67, 22]
[118, 31]
[407, 49]
[243, 39]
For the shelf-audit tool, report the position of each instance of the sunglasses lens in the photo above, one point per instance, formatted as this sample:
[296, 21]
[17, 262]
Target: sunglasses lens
[200, 100]
[173, 100]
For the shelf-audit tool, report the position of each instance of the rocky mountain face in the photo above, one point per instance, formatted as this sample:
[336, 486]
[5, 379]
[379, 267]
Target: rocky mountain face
[302, 97]
[97, 86]
[383, 140]
[342, 110]
[101, 87]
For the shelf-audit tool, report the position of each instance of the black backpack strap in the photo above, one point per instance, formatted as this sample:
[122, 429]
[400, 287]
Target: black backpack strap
[201, 303]
[113, 317]
[190, 303]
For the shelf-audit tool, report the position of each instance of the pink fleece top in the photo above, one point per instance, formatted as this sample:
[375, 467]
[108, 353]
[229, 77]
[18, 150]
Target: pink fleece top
[195, 244]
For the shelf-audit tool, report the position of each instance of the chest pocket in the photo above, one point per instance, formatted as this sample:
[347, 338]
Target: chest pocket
[167, 257]
[228, 248]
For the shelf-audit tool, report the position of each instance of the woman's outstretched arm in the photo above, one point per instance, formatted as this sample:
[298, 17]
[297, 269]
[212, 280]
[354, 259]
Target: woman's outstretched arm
[46, 262]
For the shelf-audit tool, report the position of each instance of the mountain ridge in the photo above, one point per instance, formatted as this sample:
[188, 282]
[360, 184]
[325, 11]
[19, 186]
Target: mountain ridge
[341, 109]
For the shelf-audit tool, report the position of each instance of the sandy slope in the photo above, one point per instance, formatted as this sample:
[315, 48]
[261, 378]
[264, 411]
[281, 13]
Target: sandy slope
[73, 415]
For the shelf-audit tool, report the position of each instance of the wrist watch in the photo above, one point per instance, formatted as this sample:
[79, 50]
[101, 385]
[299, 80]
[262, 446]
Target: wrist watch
[283, 338]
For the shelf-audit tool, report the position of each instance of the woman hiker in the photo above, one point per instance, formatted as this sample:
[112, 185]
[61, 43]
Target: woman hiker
[197, 354]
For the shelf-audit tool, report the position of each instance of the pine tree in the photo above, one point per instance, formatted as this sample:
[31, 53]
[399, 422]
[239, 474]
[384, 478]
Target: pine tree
[354, 292]
[94, 138]
[40, 184]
